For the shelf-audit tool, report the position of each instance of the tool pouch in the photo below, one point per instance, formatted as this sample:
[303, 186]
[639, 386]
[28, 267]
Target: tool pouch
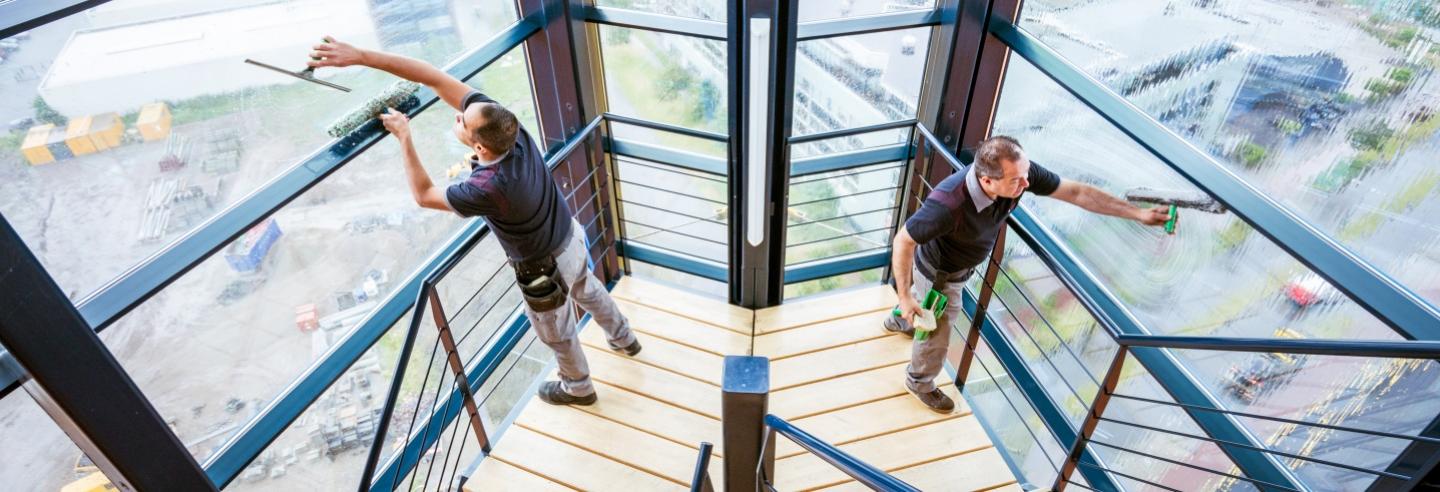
[541, 287]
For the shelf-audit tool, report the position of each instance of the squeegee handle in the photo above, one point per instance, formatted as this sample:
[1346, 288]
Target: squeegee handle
[1170, 224]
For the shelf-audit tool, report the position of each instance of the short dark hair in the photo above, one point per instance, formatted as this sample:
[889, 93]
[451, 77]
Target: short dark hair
[994, 151]
[497, 130]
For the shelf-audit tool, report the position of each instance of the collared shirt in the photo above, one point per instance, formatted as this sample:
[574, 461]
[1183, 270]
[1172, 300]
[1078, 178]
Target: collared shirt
[977, 193]
[517, 197]
[957, 224]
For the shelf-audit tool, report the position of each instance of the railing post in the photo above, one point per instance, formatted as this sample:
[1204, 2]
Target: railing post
[1092, 419]
[982, 303]
[452, 354]
[744, 403]
[700, 481]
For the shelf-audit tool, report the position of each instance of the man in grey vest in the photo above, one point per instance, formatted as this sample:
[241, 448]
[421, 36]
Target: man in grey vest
[510, 186]
[955, 229]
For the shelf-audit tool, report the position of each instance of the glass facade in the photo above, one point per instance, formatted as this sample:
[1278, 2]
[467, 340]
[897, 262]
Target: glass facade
[153, 97]
[1327, 108]
[666, 78]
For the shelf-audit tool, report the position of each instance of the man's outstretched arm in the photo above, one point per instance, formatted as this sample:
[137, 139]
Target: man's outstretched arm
[426, 194]
[1096, 200]
[334, 53]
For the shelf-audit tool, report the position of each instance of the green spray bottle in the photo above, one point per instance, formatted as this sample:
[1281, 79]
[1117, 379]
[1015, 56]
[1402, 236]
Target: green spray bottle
[933, 306]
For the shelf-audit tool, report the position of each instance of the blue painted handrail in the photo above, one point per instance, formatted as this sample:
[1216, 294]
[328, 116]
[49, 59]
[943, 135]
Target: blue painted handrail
[861, 471]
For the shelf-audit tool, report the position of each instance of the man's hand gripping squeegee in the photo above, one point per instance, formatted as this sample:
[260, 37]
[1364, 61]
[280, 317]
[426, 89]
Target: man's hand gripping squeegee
[930, 311]
[1176, 200]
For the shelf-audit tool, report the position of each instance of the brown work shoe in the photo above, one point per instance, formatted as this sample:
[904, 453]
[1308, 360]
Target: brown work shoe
[553, 393]
[935, 399]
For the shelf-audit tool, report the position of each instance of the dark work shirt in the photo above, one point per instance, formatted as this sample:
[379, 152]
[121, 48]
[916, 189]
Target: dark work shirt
[957, 225]
[517, 197]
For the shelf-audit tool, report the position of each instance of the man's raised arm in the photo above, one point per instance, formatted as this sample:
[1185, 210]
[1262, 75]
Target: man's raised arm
[334, 53]
[1098, 201]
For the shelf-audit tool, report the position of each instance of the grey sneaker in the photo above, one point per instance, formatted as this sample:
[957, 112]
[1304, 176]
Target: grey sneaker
[896, 324]
[630, 350]
[935, 399]
[551, 392]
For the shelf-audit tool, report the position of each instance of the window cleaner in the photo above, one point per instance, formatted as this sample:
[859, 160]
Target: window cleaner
[400, 96]
[308, 74]
[1175, 199]
[930, 310]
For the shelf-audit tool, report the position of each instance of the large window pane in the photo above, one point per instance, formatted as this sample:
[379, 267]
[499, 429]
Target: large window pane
[813, 10]
[851, 81]
[675, 209]
[1216, 276]
[1328, 108]
[680, 80]
[841, 212]
[224, 338]
[111, 182]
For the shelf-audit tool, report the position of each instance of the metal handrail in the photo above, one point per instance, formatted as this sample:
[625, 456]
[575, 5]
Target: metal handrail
[861, 471]
[463, 383]
[700, 481]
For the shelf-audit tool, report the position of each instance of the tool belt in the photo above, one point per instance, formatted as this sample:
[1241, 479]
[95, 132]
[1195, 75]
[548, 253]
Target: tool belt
[540, 284]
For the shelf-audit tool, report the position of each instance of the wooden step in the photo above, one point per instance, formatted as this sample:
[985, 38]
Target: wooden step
[685, 331]
[824, 308]
[843, 392]
[653, 382]
[839, 361]
[869, 420]
[823, 335]
[498, 476]
[661, 353]
[613, 440]
[660, 419]
[572, 466]
[698, 307]
[891, 451]
[982, 470]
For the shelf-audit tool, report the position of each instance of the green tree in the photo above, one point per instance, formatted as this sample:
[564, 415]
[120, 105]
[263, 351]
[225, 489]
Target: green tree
[46, 114]
[1371, 136]
[709, 101]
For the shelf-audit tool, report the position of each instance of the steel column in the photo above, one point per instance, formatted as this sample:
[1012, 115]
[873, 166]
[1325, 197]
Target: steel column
[76, 380]
[744, 401]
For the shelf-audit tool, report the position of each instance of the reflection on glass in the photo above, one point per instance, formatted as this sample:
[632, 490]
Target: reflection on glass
[156, 117]
[811, 10]
[669, 78]
[1328, 108]
[1216, 276]
[670, 141]
[675, 209]
[850, 81]
[698, 9]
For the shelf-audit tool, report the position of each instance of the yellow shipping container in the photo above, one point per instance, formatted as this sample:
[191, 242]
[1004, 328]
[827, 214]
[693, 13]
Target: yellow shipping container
[94, 133]
[154, 121]
[34, 146]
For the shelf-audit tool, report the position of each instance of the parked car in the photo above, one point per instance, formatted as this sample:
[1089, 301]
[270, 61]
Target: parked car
[1311, 290]
[20, 124]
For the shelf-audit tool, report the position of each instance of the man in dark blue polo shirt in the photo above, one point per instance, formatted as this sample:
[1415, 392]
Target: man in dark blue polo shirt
[955, 230]
[510, 186]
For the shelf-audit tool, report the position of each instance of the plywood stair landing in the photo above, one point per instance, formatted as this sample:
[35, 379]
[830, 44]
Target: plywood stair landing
[834, 373]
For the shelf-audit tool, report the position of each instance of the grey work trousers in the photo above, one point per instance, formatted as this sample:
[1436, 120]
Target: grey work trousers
[927, 358]
[556, 327]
